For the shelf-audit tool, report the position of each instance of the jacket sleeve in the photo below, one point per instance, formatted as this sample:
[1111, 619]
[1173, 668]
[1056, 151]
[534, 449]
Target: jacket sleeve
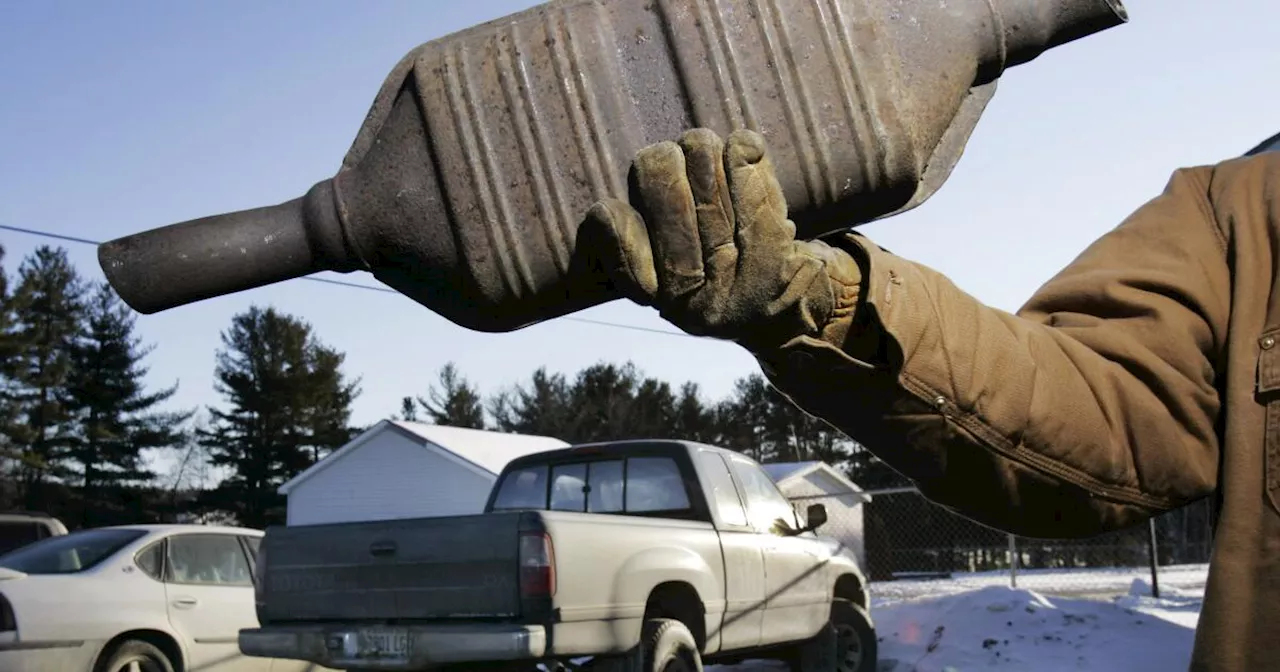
[1092, 408]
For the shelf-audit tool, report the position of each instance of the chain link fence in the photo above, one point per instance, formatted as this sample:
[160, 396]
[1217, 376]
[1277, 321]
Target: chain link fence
[911, 547]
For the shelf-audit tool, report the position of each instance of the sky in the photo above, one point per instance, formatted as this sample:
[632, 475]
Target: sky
[124, 116]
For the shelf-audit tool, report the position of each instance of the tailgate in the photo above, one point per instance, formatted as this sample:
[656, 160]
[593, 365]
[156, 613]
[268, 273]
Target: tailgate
[422, 568]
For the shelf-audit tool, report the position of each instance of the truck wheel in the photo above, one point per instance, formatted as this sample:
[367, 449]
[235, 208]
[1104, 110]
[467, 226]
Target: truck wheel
[666, 645]
[846, 644]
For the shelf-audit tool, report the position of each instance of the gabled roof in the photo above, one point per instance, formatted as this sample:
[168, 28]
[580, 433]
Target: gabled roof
[781, 472]
[482, 451]
[490, 451]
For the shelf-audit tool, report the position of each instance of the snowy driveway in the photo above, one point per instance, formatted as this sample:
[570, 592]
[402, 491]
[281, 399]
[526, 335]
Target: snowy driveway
[963, 625]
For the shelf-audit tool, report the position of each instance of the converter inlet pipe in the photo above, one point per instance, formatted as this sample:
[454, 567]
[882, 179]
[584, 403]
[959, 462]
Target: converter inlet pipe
[203, 258]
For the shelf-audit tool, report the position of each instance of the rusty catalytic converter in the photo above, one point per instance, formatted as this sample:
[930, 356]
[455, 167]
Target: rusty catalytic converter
[484, 149]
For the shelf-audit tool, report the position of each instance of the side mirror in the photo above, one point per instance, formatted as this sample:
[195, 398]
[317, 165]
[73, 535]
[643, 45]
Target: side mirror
[815, 517]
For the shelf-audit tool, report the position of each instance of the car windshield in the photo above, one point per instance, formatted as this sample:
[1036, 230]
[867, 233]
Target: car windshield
[69, 553]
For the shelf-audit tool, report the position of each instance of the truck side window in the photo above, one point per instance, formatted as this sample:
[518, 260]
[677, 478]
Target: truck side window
[523, 489]
[604, 487]
[765, 504]
[568, 487]
[654, 484]
[724, 494]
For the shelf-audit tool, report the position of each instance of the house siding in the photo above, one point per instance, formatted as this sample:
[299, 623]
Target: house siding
[389, 477]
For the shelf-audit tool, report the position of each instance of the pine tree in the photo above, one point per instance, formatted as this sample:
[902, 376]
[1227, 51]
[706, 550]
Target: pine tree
[760, 421]
[9, 351]
[544, 408]
[408, 409]
[48, 309]
[453, 401]
[742, 419]
[694, 419]
[288, 403]
[618, 402]
[116, 418]
[603, 399]
[327, 397]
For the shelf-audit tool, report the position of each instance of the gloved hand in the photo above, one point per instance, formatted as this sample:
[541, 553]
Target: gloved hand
[712, 249]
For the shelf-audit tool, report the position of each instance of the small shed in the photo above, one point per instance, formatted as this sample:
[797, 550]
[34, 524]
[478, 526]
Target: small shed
[806, 483]
[399, 469]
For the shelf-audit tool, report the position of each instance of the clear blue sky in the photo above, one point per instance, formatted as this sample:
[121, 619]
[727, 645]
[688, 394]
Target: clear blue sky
[121, 116]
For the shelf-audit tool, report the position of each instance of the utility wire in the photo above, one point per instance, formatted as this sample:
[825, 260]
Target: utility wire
[47, 234]
[357, 285]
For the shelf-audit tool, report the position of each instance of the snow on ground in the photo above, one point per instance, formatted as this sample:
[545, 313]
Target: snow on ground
[1018, 629]
[978, 622]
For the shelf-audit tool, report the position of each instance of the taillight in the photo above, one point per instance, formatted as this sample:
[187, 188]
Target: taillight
[537, 565]
[8, 622]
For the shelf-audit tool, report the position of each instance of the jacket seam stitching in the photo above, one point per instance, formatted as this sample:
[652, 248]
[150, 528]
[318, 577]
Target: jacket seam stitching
[1021, 454]
[1209, 215]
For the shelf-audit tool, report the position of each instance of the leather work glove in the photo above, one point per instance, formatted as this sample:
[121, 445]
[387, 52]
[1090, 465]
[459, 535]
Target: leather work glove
[712, 249]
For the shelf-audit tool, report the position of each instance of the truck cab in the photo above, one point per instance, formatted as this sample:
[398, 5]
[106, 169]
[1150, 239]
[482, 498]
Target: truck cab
[20, 528]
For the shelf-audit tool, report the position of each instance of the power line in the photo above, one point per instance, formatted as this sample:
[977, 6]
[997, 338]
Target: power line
[357, 285]
[48, 234]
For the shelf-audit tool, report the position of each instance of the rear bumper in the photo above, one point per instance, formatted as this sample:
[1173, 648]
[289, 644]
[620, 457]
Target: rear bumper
[336, 646]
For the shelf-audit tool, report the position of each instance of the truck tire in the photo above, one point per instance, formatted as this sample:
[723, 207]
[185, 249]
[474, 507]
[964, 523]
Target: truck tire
[666, 645]
[847, 644]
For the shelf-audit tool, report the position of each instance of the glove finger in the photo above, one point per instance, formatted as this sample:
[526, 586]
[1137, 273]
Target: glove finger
[614, 239]
[665, 199]
[704, 168]
[763, 231]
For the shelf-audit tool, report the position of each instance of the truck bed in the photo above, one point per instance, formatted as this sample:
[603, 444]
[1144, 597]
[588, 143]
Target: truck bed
[458, 567]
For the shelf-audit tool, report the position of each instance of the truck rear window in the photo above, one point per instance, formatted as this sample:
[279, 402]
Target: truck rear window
[638, 485]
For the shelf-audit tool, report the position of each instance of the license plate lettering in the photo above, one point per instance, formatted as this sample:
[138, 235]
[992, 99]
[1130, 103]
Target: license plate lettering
[384, 644]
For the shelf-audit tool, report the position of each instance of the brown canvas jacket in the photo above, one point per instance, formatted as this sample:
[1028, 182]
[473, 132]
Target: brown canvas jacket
[1144, 376]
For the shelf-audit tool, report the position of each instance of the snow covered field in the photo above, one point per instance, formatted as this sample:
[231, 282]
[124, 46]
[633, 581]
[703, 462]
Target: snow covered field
[1018, 629]
[978, 622]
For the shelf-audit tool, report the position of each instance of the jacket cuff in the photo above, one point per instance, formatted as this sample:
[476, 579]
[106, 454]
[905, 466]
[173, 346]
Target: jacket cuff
[867, 334]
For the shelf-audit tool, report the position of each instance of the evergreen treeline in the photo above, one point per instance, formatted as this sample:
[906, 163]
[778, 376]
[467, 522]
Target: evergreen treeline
[80, 431]
[609, 402]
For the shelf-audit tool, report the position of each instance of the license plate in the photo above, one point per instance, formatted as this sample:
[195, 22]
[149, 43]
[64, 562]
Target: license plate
[384, 644]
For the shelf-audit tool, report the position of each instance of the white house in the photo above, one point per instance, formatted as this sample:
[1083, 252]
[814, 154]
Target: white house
[399, 469]
[806, 483]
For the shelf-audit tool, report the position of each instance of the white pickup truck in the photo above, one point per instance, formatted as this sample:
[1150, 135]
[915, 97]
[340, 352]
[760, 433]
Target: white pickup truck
[639, 555]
